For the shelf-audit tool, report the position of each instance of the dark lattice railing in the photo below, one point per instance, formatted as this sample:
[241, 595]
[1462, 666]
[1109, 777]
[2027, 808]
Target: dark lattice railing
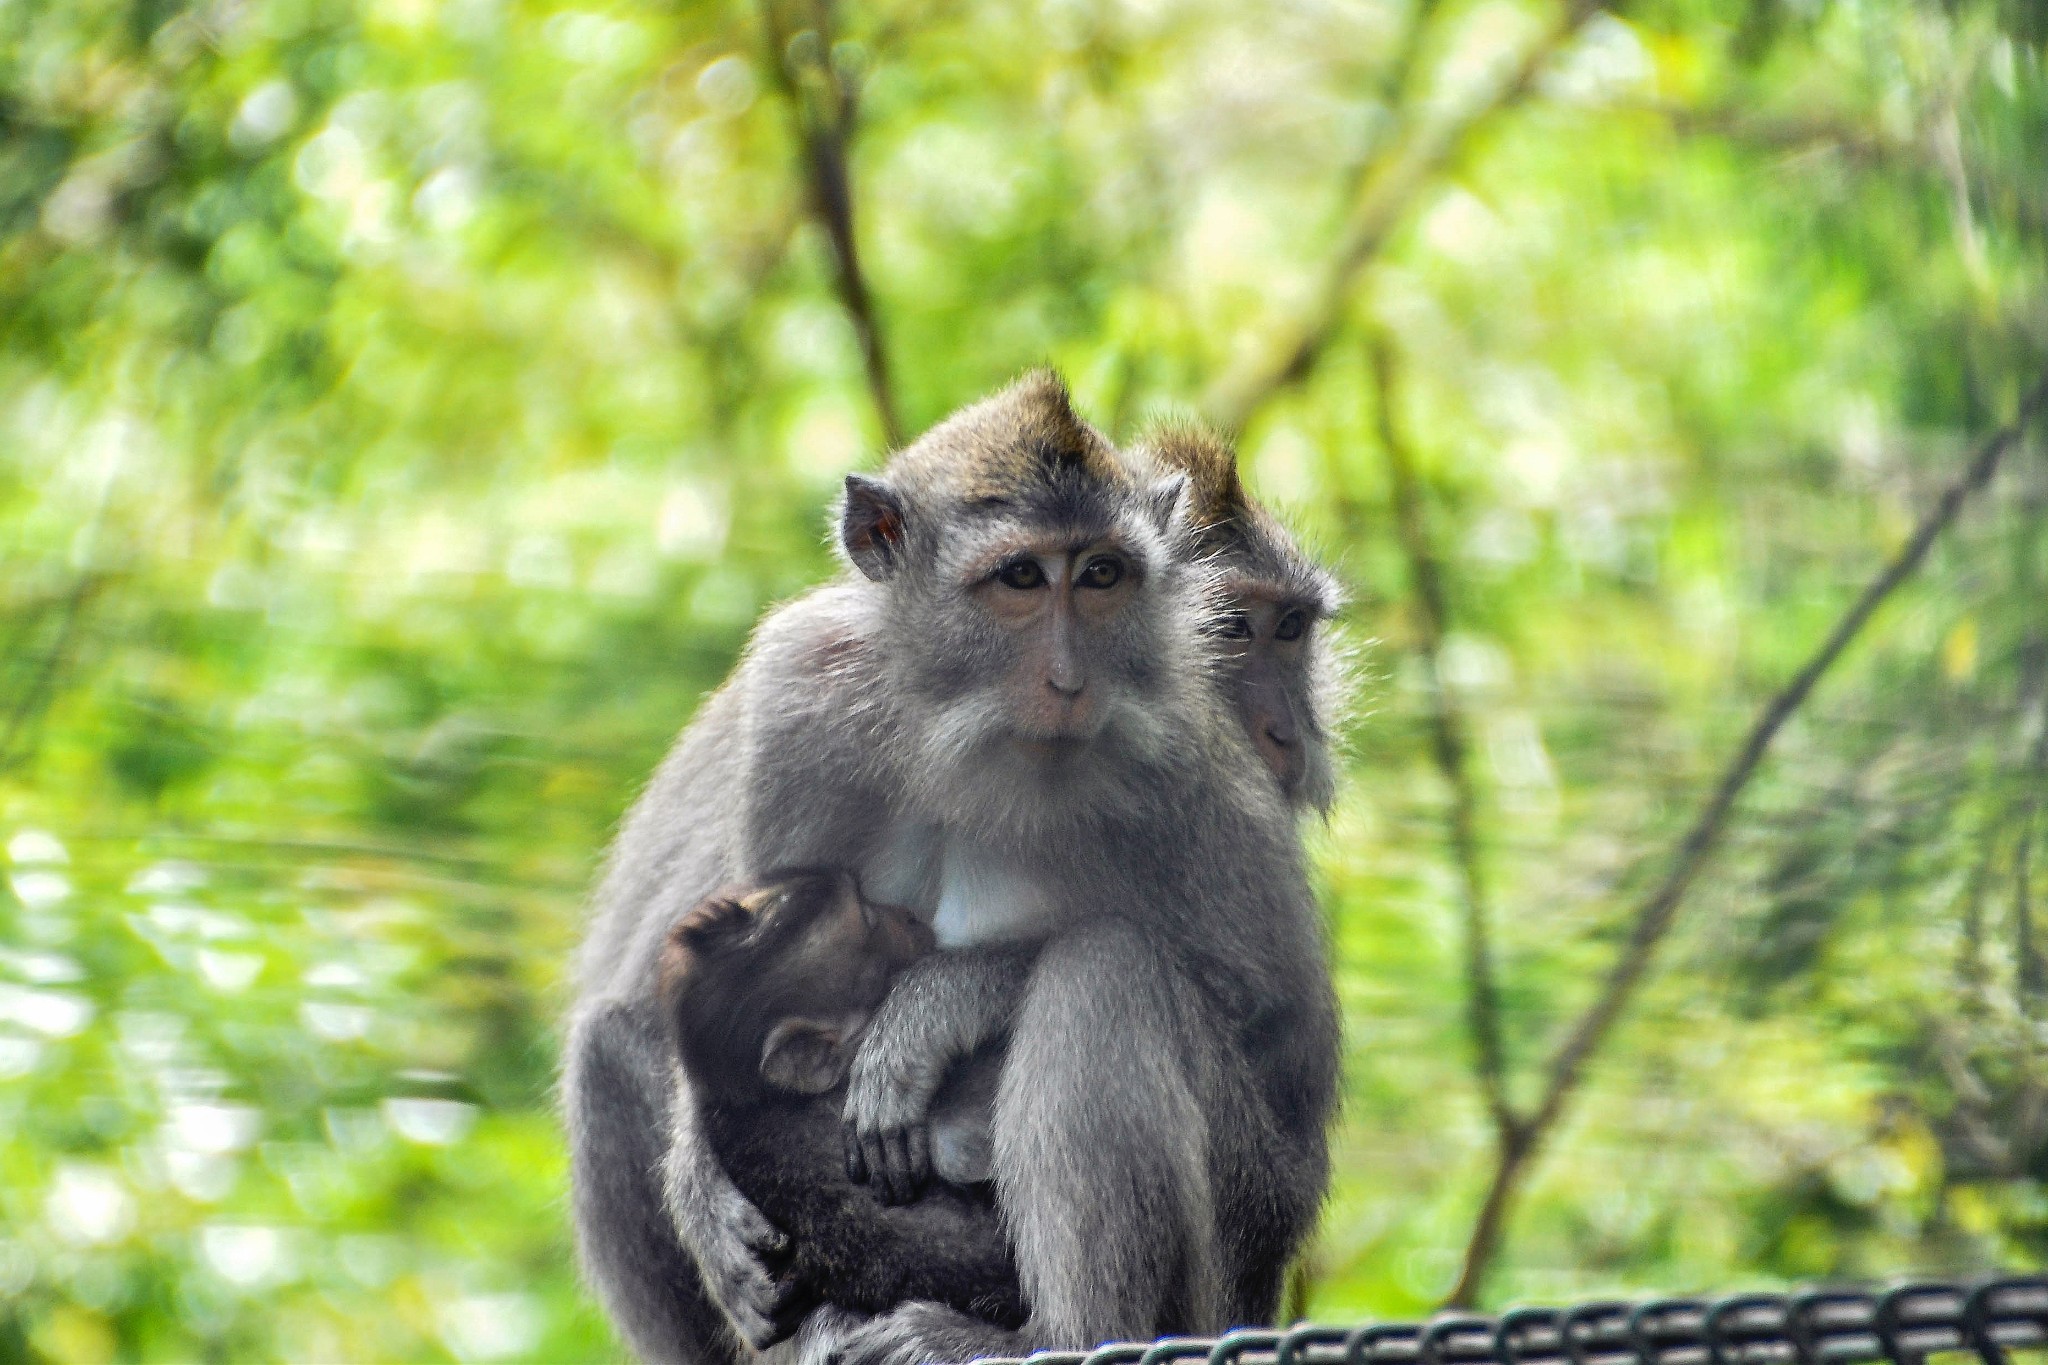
[1904, 1325]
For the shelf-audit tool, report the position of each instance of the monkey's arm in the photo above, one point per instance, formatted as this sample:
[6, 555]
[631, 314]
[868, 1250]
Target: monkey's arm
[817, 741]
[847, 1248]
[1271, 1165]
[690, 1277]
[615, 1100]
[938, 1011]
[1285, 1097]
[1102, 1164]
[744, 1258]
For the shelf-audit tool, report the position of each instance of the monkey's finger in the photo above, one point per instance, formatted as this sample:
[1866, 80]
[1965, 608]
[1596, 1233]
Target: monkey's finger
[856, 1159]
[796, 1299]
[897, 1157]
[877, 1163]
[902, 1184]
[920, 1149]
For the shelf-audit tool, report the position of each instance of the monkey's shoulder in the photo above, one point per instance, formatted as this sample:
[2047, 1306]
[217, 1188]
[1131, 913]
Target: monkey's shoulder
[814, 682]
[828, 637]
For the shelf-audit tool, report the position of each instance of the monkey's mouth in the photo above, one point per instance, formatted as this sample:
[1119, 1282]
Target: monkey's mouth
[1052, 749]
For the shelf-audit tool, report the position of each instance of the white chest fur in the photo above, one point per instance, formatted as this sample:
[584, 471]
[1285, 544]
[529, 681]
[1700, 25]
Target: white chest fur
[985, 899]
[968, 894]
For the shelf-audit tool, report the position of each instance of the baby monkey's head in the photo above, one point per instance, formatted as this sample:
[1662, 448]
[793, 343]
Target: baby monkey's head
[769, 983]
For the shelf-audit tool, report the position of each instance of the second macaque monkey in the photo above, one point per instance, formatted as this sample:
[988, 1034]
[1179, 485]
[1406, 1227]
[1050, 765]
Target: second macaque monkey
[767, 988]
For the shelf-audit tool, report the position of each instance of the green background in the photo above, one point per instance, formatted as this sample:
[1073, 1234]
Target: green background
[406, 409]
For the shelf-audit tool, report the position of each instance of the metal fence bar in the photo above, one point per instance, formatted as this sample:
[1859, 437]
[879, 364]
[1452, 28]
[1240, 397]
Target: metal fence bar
[1902, 1324]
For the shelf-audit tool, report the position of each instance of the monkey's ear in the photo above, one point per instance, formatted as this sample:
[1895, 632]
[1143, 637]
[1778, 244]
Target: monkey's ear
[712, 923]
[871, 526]
[1167, 500]
[804, 1056]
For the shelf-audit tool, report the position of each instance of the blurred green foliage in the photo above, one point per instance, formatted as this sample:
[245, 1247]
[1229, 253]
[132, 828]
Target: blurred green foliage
[406, 408]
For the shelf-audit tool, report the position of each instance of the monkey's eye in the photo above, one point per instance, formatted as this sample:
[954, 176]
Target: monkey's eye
[1290, 626]
[1022, 574]
[1236, 626]
[1101, 572]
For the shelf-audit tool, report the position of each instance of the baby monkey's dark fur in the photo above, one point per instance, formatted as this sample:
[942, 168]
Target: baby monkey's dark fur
[767, 988]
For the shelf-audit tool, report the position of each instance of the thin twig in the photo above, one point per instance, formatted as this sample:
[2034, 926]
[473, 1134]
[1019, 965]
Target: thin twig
[1391, 188]
[1449, 745]
[285, 845]
[1653, 918]
[1970, 972]
[2026, 950]
[824, 105]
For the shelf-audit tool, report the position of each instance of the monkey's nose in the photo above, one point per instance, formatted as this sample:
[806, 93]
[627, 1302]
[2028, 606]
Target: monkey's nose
[1066, 685]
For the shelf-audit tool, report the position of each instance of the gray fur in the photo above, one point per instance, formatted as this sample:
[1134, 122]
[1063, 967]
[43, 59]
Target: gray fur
[940, 1010]
[617, 1084]
[1158, 1143]
[1254, 555]
[933, 1019]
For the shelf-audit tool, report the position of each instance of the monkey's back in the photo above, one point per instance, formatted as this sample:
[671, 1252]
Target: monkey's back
[788, 1156]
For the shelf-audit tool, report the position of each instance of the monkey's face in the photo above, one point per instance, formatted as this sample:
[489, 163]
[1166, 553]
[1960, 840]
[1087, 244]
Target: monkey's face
[1054, 649]
[825, 948]
[1042, 636]
[1265, 641]
[1270, 599]
[833, 957]
[777, 978]
[1055, 607]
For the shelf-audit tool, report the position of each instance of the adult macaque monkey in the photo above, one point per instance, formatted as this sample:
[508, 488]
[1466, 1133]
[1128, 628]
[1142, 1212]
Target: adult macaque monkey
[1284, 681]
[1271, 599]
[1008, 721]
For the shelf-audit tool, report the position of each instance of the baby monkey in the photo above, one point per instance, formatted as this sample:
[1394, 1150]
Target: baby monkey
[767, 988]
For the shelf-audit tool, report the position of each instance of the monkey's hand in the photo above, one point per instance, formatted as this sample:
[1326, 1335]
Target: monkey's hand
[745, 1259]
[888, 1133]
[910, 1334]
[939, 1010]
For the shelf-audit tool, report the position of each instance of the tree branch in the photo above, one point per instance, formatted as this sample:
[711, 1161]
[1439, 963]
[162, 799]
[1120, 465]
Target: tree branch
[1654, 917]
[1391, 187]
[1450, 748]
[2025, 950]
[1400, 71]
[1396, 77]
[1923, 154]
[824, 105]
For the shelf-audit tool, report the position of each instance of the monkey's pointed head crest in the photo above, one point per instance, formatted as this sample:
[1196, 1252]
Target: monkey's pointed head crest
[1228, 523]
[1009, 447]
[1021, 455]
[1215, 493]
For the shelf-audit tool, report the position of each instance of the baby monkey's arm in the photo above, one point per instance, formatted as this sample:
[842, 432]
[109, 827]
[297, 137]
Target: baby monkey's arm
[939, 1010]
